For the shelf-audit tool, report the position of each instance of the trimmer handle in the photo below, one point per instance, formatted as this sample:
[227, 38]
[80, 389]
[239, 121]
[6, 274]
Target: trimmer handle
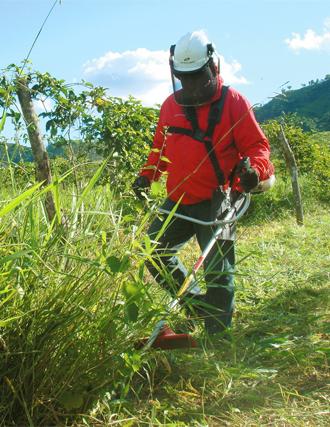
[262, 186]
[243, 166]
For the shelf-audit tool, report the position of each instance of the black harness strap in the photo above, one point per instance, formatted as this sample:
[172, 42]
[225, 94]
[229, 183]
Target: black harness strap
[214, 118]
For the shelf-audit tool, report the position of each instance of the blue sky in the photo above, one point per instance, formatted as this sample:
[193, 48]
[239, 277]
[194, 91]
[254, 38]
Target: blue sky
[123, 44]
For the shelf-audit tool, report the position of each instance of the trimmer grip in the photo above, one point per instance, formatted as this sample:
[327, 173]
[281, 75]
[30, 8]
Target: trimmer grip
[243, 166]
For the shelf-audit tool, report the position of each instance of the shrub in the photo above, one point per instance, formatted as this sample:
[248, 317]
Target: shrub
[312, 157]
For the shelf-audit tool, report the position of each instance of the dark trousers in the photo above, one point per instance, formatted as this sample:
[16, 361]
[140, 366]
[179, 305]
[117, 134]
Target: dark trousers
[218, 266]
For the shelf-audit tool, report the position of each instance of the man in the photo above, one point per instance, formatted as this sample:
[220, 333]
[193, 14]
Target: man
[205, 129]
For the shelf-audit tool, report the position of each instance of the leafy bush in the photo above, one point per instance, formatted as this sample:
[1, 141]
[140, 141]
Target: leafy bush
[312, 157]
[105, 126]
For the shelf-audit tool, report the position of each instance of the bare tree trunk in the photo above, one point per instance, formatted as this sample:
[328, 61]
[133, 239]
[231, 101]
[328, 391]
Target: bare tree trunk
[40, 154]
[292, 166]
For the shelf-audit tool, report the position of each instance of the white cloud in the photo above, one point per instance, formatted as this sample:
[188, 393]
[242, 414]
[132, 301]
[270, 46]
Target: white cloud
[311, 40]
[143, 73]
[230, 70]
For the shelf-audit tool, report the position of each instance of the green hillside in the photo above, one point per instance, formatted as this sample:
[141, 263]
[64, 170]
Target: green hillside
[21, 153]
[16, 153]
[311, 102]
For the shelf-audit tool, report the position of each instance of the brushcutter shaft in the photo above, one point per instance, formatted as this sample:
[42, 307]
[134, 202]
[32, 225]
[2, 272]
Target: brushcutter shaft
[229, 219]
[192, 276]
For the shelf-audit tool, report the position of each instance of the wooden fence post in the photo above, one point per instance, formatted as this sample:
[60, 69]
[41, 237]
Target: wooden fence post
[40, 154]
[293, 169]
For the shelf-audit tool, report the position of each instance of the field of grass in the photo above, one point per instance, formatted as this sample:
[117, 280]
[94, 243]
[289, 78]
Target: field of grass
[69, 298]
[275, 372]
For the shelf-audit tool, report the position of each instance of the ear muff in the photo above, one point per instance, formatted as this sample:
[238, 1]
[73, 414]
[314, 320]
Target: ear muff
[210, 49]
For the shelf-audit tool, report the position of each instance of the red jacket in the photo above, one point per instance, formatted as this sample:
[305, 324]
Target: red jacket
[185, 161]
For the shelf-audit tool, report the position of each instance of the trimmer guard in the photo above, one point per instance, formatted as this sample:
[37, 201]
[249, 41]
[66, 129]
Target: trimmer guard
[167, 339]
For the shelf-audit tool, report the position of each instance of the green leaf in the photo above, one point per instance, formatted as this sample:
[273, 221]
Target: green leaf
[131, 290]
[3, 121]
[71, 400]
[132, 312]
[9, 320]
[57, 199]
[14, 256]
[19, 199]
[147, 243]
[156, 188]
[118, 265]
[114, 264]
[131, 293]
[165, 159]
[125, 264]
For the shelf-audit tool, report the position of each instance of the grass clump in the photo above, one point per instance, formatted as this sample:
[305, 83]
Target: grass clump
[67, 293]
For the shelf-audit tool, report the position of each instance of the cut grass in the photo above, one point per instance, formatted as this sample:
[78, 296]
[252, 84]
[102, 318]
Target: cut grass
[275, 372]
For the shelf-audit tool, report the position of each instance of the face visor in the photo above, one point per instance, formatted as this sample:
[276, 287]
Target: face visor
[194, 88]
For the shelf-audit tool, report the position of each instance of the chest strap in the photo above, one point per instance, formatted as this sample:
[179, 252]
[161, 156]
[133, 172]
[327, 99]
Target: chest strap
[196, 133]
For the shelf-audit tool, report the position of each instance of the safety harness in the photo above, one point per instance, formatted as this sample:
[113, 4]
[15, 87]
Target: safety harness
[196, 133]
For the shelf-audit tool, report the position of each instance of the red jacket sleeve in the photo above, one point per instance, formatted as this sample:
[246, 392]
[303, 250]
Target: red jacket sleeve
[155, 166]
[249, 138]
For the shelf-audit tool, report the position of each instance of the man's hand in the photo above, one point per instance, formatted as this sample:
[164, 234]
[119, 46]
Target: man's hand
[248, 176]
[249, 179]
[140, 185]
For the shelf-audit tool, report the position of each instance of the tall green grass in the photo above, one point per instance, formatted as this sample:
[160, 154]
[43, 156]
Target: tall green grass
[69, 290]
[275, 371]
[74, 299]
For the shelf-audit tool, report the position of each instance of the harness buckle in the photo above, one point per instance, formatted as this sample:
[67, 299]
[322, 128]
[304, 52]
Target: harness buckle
[199, 135]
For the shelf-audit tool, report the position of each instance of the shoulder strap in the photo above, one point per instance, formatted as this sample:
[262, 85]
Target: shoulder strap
[215, 113]
[214, 161]
[214, 118]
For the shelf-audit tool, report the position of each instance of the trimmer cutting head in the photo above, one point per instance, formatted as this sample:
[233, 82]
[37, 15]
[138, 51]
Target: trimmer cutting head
[167, 339]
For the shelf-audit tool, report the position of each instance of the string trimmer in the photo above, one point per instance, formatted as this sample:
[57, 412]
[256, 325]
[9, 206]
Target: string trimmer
[234, 206]
[162, 336]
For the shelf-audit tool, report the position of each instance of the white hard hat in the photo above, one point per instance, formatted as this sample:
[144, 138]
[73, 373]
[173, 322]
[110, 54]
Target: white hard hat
[192, 52]
[194, 69]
